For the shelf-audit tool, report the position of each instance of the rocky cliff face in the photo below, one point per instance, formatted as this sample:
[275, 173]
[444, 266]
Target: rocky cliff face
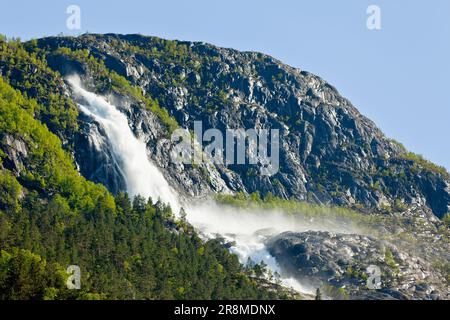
[330, 153]
[328, 261]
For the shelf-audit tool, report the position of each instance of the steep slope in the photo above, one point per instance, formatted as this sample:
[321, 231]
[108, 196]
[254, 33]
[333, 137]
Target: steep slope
[51, 217]
[330, 153]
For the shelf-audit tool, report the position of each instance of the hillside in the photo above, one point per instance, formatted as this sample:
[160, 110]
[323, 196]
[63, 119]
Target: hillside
[63, 186]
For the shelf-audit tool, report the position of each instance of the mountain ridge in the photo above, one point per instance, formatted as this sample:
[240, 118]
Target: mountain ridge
[327, 137]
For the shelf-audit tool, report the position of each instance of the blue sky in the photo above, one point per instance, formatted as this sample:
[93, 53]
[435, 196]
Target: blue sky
[397, 76]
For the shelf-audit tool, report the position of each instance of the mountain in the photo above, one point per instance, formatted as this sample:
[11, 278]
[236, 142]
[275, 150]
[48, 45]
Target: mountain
[331, 156]
[330, 153]
[51, 217]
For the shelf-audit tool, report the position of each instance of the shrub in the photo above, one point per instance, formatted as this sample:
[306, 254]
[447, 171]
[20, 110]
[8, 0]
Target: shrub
[419, 160]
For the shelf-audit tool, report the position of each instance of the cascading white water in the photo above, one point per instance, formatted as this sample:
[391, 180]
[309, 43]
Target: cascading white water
[141, 176]
[144, 178]
[248, 230]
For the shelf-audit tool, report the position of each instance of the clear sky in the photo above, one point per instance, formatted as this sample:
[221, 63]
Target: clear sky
[397, 76]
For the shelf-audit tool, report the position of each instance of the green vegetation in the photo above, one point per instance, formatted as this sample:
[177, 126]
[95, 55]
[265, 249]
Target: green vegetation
[446, 219]
[399, 206]
[335, 293]
[25, 68]
[356, 273]
[46, 166]
[390, 261]
[24, 275]
[444, 267]
[169, 51]
[376, 186]
[269, 202]
[420, 161]
[51, 217]
[398, 144]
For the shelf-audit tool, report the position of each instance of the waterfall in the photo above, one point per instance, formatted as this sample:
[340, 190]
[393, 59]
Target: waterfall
[143, 178]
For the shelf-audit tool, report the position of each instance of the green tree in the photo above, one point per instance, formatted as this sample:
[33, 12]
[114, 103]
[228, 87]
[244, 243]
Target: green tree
[318, 294]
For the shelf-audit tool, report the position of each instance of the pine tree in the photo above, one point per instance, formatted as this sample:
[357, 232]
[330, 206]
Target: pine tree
[183, 215]
[318, 294]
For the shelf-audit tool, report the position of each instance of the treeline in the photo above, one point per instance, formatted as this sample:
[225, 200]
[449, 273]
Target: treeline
[51, 217]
